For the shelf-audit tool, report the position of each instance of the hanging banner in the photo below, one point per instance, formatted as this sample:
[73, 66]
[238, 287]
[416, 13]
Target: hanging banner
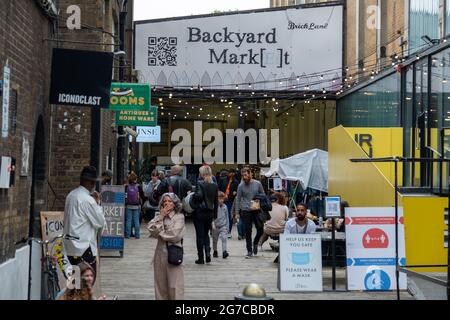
[5, 100]
[300, 267]
[370, 237]
[113, 204]
[146, 118]
[257, 50]
[81, 78]
[129, 96]
[52, 225]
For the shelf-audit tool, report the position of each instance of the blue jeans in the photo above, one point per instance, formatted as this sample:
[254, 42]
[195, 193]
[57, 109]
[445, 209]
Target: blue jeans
[241, 228]
[132, 221]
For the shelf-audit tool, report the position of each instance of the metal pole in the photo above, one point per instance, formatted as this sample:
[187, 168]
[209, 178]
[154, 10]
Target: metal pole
[121, 142]
[448, 249]
[397, 271]
[333, 254]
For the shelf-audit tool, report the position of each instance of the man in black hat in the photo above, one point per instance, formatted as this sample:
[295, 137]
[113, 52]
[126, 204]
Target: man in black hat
[83, 218]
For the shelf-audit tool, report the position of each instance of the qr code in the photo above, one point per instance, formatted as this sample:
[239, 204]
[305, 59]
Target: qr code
[162, 51]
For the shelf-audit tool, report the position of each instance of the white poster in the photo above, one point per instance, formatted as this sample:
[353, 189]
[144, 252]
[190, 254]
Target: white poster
[25, 156]
[5, 172]
[282, 49]
[277, 184]
[370, 237]
[52, 225]
[149, 134]
[301, 262]
[5, 100]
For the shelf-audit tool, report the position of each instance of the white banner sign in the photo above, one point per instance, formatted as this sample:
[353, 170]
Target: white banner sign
[149, 134]
[301, 262]
[5, 172]
[248, 49]
[5, 100]
[370, 237]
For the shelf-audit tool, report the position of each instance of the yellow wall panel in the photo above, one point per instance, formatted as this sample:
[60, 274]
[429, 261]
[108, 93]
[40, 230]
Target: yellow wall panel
[385, 142]
[361, 184]
[424, 232]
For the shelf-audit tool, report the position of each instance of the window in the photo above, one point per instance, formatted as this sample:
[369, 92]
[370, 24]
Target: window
[423, 21]
[447, 17]
[377, 105]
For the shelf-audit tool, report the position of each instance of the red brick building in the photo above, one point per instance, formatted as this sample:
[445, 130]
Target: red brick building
[59, 138]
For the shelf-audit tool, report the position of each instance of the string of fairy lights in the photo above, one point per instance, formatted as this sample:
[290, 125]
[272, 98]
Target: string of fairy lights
[300, 90]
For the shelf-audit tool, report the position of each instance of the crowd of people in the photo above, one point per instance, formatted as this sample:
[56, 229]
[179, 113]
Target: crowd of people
[216, 204]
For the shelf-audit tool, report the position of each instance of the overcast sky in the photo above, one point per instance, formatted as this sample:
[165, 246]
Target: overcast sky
[150, 9]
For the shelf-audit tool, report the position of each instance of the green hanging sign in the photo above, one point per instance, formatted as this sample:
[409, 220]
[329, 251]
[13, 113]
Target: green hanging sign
[144, 118]
[129, 96]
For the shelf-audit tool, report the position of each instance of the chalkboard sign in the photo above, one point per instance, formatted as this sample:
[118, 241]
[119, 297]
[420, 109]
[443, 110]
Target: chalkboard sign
[113, 204]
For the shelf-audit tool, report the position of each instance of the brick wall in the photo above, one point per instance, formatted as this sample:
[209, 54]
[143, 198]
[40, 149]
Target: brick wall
[22, 30]
[71, 146]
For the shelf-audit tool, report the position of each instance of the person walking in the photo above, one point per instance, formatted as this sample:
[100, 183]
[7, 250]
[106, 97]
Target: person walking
[228, 184]
[177, 184]
[248, 209]
[151, 194]
[83, 219]
[169, 228]
[206, 200]
[220, 227]
[133, 200]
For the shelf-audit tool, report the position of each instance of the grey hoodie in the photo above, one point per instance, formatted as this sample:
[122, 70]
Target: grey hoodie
[222, 217]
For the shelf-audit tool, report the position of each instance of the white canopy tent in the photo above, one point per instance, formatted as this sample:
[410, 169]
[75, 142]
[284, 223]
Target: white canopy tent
[310, 168]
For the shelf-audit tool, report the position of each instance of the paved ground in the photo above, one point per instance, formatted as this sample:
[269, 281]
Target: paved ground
[131, 277]
[427, 290]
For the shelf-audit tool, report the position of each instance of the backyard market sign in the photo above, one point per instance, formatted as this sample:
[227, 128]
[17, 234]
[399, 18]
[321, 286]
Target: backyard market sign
[129, 96]
[144, 118]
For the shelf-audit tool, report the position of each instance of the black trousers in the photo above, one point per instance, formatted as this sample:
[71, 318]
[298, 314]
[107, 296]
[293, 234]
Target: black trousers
[249, 218]
[202, 228]
[86, 257]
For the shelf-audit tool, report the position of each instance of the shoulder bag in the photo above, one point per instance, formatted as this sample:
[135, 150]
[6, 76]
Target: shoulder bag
[175, 254]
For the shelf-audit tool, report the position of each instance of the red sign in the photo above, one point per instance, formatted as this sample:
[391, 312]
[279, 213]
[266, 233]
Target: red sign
[375, 239]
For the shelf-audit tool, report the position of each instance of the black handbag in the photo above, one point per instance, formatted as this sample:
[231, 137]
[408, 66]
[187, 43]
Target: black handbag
[175, 254]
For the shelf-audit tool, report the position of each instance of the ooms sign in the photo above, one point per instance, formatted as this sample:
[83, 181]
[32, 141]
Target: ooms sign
[127, 101]
[129, 96]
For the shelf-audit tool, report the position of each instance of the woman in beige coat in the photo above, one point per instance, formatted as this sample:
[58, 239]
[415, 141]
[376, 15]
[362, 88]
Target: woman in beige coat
[168, 227]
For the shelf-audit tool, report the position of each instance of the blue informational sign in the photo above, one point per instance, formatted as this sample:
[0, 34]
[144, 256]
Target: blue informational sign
[333, 207]
[113, 204]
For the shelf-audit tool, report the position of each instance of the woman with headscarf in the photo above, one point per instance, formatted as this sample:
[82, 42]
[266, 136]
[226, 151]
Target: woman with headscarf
[168, 227]
[206, 202]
